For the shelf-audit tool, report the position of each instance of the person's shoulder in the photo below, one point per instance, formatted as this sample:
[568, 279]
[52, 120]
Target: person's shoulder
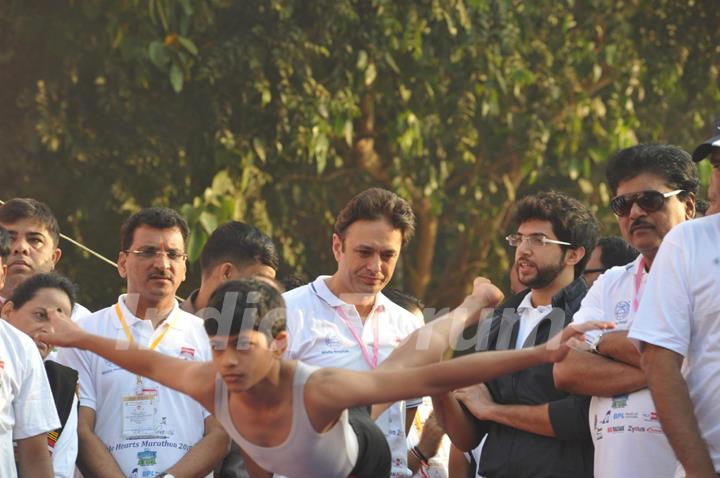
[96, 321]
[617, 273]
[15, 339]
[298, 294]
[188, 318]
[79, 311]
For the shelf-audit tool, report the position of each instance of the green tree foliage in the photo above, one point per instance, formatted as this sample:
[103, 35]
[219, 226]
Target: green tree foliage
[278, 111]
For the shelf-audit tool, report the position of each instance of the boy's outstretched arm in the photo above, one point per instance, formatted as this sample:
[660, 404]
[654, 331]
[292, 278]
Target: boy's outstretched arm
[196, 379]
[340, 389]
[428, 344]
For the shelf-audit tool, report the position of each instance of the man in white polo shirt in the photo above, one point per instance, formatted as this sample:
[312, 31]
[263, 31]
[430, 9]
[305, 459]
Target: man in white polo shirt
[129, 426]
[678, 319]
[344, 320]
[654, 187]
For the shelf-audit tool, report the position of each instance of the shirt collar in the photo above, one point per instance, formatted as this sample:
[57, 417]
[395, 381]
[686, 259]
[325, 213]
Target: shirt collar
[319, 286]
[526, 304]
[131, 319]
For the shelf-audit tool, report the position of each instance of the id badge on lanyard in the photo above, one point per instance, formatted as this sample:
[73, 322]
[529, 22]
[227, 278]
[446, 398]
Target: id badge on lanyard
[140, 417]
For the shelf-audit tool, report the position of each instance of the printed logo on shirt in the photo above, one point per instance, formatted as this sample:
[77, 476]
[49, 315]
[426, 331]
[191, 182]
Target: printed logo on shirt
[620, 401]
[52, 438]
[334, 344]
[606, 418]
[633, 429]
[147, 458]
[187, 353]
[654, 430]
[618, 429]
[622, 310]
[650, 417]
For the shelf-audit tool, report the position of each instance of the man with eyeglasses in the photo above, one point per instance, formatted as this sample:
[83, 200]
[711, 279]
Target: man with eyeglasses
[654, 189]
[129, 425]
[533, 429]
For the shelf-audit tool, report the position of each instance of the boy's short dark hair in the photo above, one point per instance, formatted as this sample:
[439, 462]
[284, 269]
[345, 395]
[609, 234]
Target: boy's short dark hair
[5, 242]
[615, 251]
[256, 305]
[157, 217]
[376, 203]
[238, 243]
[571, 221]
[29, 288]
[672, 164]
[408, 302]
[17, 209]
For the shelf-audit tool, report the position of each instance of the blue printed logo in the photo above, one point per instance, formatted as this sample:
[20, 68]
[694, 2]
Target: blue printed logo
[622, 310]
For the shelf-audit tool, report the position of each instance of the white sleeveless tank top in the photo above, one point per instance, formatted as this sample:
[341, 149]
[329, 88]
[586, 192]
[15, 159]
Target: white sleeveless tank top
[305, 453]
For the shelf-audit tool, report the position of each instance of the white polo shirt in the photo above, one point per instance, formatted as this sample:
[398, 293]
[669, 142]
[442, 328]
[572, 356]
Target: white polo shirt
[628, 439]
[27, 408]
[180, 419]
[319, 336]
[681, 312]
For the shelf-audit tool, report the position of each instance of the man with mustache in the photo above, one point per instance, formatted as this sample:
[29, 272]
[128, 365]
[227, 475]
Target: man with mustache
[344, 320]
[128, 425]
[34, 247]
[533, 429]
[654, 188]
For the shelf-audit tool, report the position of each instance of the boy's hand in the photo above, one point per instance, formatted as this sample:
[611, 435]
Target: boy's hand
[572, 337]
[63, 333]
[484, 295]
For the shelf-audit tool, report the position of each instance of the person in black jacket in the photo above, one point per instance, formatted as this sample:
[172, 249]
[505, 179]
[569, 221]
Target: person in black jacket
[533, 429]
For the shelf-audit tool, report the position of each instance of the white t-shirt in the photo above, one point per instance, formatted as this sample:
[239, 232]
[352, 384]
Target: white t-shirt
[628, 439]
[681, 312]
[179, 419]
[27, 407]
[318, 336]
[65, 451]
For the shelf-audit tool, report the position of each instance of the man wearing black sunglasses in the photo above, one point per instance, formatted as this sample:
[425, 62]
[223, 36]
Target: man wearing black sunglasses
[654, 189]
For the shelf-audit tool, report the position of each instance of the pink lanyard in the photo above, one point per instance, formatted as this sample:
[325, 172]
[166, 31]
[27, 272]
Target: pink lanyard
[638, 282]
[372, 361]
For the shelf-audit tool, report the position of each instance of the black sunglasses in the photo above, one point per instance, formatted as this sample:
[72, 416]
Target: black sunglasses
[649, 201]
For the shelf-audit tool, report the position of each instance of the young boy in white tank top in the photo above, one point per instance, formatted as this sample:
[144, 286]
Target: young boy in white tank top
[293, 419]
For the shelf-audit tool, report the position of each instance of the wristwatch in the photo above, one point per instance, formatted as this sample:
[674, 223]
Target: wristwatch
[595, 343]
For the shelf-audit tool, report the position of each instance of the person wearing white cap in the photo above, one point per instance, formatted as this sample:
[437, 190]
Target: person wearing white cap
[711, 147]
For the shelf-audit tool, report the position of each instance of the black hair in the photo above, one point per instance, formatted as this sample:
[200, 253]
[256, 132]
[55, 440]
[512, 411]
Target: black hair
[293, 281]
[157, 217]
[376, 203]
[701, 207]
[672, 164]
[5, 242]
[571, 221]
[17, 209]
[615, 251]
[29, 288]
[257, 305]
[238, 243]
[408, 302]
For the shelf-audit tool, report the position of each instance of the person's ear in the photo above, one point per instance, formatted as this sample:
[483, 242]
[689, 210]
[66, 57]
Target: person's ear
[337, 246]
[7, 310]
[56, 256]
[121, 264]
[225, 271]
[279, 344]
[573, 256]
[690, 206]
